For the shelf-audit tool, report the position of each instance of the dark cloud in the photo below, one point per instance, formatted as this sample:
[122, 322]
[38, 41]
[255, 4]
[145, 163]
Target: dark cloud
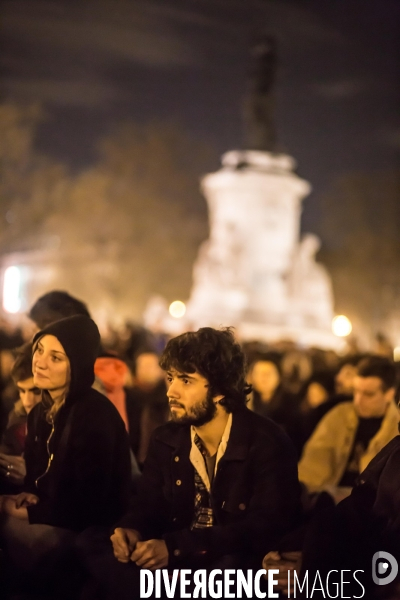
[341, 89]
[89, 94]
[390, 136]
[93, 63]
[113, 30]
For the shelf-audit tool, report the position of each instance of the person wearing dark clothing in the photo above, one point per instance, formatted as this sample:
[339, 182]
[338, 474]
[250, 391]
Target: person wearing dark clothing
[112, 372]
[146, 402]
[12, 447]
[269, 397]
[349, 535]
[316, 415]
[352, 433]
[147, 409]
[253, 495]
[56, 305]
[87, 480]
[315, 401]
[143, 407]
[219, 486]
[76, 452]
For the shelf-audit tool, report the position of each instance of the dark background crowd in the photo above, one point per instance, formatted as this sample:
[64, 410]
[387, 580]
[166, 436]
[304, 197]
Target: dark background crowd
[293, 386]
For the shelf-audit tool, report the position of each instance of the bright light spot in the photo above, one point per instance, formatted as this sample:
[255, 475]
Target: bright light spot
[341, 326]
[177, 309]
[396, 354]
[11, 289]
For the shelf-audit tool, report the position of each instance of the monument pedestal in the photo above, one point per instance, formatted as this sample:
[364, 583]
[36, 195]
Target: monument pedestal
[254, 272]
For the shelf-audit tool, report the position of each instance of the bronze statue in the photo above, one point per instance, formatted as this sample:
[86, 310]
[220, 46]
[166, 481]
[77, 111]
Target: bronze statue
[259, 106]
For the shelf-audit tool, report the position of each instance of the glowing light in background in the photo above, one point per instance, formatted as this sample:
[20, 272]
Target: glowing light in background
[396, 354]
[341, 326]
[11, 290]
[177, 309]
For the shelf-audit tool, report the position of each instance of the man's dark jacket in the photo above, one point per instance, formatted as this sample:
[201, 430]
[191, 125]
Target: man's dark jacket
[255, 492]
[368, 521]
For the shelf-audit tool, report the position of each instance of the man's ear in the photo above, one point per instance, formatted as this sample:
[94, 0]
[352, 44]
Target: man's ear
[389, 394]
[217, 399]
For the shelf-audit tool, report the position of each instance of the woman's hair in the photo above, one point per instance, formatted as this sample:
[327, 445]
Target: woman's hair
[215, 355]
[51, 406]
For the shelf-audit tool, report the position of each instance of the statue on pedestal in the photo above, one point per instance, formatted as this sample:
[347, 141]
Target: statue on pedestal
[259, 104]
[253, 272]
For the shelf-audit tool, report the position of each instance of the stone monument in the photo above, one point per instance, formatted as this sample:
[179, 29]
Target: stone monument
[254, 271]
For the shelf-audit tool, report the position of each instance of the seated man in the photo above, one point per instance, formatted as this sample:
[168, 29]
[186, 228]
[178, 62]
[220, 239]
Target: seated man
[219, 487]
[12, 464]
[352, 433]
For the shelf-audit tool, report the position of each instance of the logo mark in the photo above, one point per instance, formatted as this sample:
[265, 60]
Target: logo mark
[382, 568]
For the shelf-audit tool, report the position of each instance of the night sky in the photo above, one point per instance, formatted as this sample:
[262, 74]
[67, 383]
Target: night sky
[93, 63]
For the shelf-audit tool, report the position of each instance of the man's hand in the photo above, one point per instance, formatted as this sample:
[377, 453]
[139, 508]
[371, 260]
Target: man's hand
[287, 561]
[340, 493]
[25, 499]
[8, 507]
[152, 554]
[124, 543]
[12, 468]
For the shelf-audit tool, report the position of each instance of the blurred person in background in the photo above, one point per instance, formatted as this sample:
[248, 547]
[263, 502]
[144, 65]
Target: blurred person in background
[317, 392]
[131, 341]
[382, 345]
[296, 367]
[344, 378]
[56, 305]
[12, 463]
[10, 338]
[366, 523]
[348, 438]
[322, 393]
[352, 433]
[269, 398]
[147, 404]
[114, 374]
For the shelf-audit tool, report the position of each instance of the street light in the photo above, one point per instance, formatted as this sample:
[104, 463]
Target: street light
[11, 290]
[341, 326]
[177, 309]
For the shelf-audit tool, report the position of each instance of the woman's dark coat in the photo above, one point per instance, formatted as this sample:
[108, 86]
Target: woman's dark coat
[88, 480]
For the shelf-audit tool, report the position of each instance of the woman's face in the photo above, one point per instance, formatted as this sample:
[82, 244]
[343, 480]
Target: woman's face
[51, 369]
[265, 377]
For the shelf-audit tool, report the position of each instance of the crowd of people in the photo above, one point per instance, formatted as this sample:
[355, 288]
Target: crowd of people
[137, 452]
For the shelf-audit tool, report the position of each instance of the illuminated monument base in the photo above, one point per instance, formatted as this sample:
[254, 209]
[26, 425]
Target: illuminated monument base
[254, 272]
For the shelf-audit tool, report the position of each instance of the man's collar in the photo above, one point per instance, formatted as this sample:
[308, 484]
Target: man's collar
[196, 457]
[240, 435]
[224, 440]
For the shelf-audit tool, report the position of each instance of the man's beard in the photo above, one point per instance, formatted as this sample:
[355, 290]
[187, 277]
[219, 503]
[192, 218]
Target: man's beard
[202, 413]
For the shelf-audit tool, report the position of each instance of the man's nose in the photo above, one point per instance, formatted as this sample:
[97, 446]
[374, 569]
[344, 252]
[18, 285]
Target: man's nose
[172, 391]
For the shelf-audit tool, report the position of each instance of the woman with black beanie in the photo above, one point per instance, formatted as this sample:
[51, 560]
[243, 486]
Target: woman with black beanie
[77, 451]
